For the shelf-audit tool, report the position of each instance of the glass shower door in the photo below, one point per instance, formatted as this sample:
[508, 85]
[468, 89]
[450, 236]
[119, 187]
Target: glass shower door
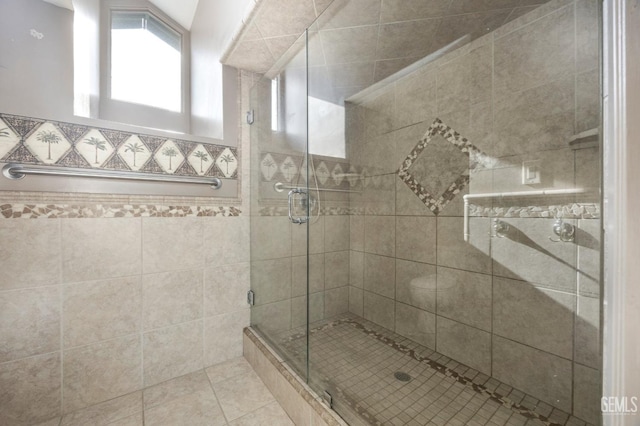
[280, 208]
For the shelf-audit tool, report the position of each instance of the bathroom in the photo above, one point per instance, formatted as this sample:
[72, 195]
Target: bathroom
[355, 212]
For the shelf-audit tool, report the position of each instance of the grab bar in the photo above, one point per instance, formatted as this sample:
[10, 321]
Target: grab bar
[19, 171]
[280, 187]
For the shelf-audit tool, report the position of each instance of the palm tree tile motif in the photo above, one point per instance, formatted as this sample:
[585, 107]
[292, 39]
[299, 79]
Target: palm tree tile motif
[97, 144]
[37, 141]
[170, 152]
[134, 148]
[203, 157]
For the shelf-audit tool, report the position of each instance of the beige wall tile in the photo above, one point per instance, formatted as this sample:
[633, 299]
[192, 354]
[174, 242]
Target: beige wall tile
[299, 237]
[587, 100]
[223, 336]
[380, 235]
[101, 310]
[454, 252]
[587, 43]
[415, 95]
[109, 412]
[356, 301]
[94, 249]
[356, 232]
[586, 394]
[29, 322]
[34, 385]
[271, 280]
[407, 39]
[172, 298]
[416, 324]
[270, 237]
[536, 119]
[336, 269]
[380, 274]
[402, 10]
[342, 42]
[523, 58]
[316, 274]
[30, 253]
[336, 301]
[172, 243]
[272, 317]
[534, 316]
[416, 284]
[465, 297]
[171, 352]
[102, 371]
[519, 366]
[587, 332]
[379, 309]
[416, 238]
[356, 268]
[528, 255]
[225, 288]
[588, 243]
[336, 233]
[465, 344]
[226, 240]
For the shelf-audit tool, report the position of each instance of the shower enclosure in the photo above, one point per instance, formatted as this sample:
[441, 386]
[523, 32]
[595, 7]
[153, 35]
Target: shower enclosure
[425, 211]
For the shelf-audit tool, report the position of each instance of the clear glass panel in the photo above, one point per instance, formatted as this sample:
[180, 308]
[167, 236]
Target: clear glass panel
[431, 303]
[279, 247]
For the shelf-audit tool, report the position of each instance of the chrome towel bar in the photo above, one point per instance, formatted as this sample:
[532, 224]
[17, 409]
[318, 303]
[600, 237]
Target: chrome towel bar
[19, 171]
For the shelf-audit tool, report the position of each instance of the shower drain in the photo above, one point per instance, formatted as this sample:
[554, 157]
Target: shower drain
[402, 376]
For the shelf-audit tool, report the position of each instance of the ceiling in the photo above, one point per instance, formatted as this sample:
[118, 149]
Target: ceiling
[356, 43]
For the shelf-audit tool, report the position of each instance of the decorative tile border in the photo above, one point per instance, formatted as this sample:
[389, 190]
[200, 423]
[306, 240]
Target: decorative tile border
[44, 142]
[477, 159]
[566, 211]
[68, 211]
[517, 401]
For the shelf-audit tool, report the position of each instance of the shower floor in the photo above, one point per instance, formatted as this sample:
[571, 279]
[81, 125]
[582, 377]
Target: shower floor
[355, 360]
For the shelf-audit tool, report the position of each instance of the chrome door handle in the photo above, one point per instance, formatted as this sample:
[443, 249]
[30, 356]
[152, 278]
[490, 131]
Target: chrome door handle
[296, 220]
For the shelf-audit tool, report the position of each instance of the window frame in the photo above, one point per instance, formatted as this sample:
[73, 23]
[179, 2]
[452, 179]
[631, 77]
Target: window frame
[134, 113]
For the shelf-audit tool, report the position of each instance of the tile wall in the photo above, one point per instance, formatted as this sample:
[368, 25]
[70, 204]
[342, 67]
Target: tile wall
[101, 296]
[522, 308]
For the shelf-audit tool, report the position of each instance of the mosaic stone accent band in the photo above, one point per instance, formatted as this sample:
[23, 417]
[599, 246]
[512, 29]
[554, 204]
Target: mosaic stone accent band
[68, 211]
[476, 159]
[35, 141]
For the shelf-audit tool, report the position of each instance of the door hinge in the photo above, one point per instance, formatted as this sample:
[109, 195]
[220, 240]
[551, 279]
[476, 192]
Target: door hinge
[250, 117]
[251, 298]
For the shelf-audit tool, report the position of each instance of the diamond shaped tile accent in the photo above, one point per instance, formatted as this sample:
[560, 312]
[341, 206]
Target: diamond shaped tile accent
[353, 176]
[438, 168]
[169, 157]
[72, 132]
[47, 144]
[134, 152]
[323, 173]
[95, 148]
[268, 167]
[8, 139]
[73, 159]
[288, 169]
[116, 138]
[337, 174]
[227, 162]
[200, 159]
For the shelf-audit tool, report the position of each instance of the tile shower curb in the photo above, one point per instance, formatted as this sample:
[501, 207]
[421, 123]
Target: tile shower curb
[319, 413]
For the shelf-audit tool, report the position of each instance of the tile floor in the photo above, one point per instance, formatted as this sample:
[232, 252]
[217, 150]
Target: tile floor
[230, 394]
[355, 360]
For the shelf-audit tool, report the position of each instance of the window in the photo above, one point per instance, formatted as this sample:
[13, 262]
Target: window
[144, 67]
[146, 63]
